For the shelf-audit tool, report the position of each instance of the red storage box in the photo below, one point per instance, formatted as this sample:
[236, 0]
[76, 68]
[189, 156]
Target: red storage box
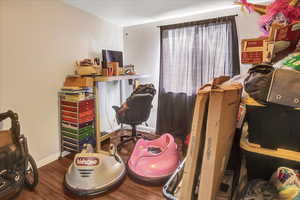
[86, 108]
[70, 109]
[87, 102]
[80, 120]
[78, 115]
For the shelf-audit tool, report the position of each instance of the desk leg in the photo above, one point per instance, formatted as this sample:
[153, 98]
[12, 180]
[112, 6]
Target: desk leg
[121, 98]
[97, 117]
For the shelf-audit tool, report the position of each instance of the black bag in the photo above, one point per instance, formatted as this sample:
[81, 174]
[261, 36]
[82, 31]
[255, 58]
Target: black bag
[258, 82]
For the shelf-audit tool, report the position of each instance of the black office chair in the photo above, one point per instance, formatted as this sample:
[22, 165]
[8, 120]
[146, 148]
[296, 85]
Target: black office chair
[137, 111]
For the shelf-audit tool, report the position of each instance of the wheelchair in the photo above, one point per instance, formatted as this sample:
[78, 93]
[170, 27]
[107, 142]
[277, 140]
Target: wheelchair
[17, 167]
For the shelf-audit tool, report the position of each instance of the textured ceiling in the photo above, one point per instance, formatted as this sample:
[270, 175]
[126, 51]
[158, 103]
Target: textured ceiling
[132, 12]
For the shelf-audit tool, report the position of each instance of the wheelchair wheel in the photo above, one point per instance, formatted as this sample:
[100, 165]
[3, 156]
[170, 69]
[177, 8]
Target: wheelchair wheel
[31, 174]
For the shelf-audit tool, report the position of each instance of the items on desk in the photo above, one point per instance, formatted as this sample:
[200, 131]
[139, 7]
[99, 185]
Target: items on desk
[85, 62]
[108, 71]
[88, 67]
[129, 70]
[115, 68]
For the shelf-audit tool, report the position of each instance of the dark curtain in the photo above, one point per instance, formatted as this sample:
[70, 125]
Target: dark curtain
[192, 54]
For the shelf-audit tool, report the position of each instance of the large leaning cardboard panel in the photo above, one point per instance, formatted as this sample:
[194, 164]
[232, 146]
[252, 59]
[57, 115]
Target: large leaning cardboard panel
[196, 146]
[223, 108]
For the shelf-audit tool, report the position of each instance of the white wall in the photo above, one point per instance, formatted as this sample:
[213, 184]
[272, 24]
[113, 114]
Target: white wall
[142, 43]
[39, 42]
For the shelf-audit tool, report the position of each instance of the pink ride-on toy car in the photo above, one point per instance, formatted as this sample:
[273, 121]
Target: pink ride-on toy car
[154, 161]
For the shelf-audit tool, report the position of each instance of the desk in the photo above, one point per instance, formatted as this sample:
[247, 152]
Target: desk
[97, 79]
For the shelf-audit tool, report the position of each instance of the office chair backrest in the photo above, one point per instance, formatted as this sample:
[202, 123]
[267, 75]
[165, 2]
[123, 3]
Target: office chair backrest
[139, 109]
[144, 89]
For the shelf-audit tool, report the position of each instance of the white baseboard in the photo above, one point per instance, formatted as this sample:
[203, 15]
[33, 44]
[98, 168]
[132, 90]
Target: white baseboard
[50, 158]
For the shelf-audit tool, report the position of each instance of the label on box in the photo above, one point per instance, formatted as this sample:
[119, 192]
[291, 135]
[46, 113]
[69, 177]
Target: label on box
[252, 57]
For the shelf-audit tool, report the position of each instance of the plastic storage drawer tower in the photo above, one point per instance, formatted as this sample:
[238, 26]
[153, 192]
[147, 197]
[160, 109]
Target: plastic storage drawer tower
[77, 123]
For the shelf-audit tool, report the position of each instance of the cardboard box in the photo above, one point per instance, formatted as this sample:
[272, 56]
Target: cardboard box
[282, 41]
[74, 81]
[223, 109]
[256, 51]
[88, 70]
[213, 130]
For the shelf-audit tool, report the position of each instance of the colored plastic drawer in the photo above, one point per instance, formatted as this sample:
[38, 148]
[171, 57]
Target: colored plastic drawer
[87, 102]
[78, 136]
[77, 142]
[69, 114]
[76, 125]
[75, 130]
[75, 148]
[70, 109]
[86, 113]
[80, 120]
[68, 119]
[68, 103]
[86, 108]
[82, 125]
[75, 109]
[80, 115]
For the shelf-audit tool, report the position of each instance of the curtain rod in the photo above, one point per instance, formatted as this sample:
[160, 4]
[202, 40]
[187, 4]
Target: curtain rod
[198, 22]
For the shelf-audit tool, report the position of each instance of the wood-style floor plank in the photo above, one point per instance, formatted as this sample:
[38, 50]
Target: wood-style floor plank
[50, 185]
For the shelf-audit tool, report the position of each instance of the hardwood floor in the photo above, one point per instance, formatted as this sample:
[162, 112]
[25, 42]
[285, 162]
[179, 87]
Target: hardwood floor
[50, 185]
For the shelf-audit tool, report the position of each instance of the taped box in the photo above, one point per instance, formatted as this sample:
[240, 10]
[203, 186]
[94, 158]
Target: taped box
[256, 51]
[282, 41]
[74, 81]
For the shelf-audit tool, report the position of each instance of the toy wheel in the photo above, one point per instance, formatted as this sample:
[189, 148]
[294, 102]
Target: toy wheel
[31, 174]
